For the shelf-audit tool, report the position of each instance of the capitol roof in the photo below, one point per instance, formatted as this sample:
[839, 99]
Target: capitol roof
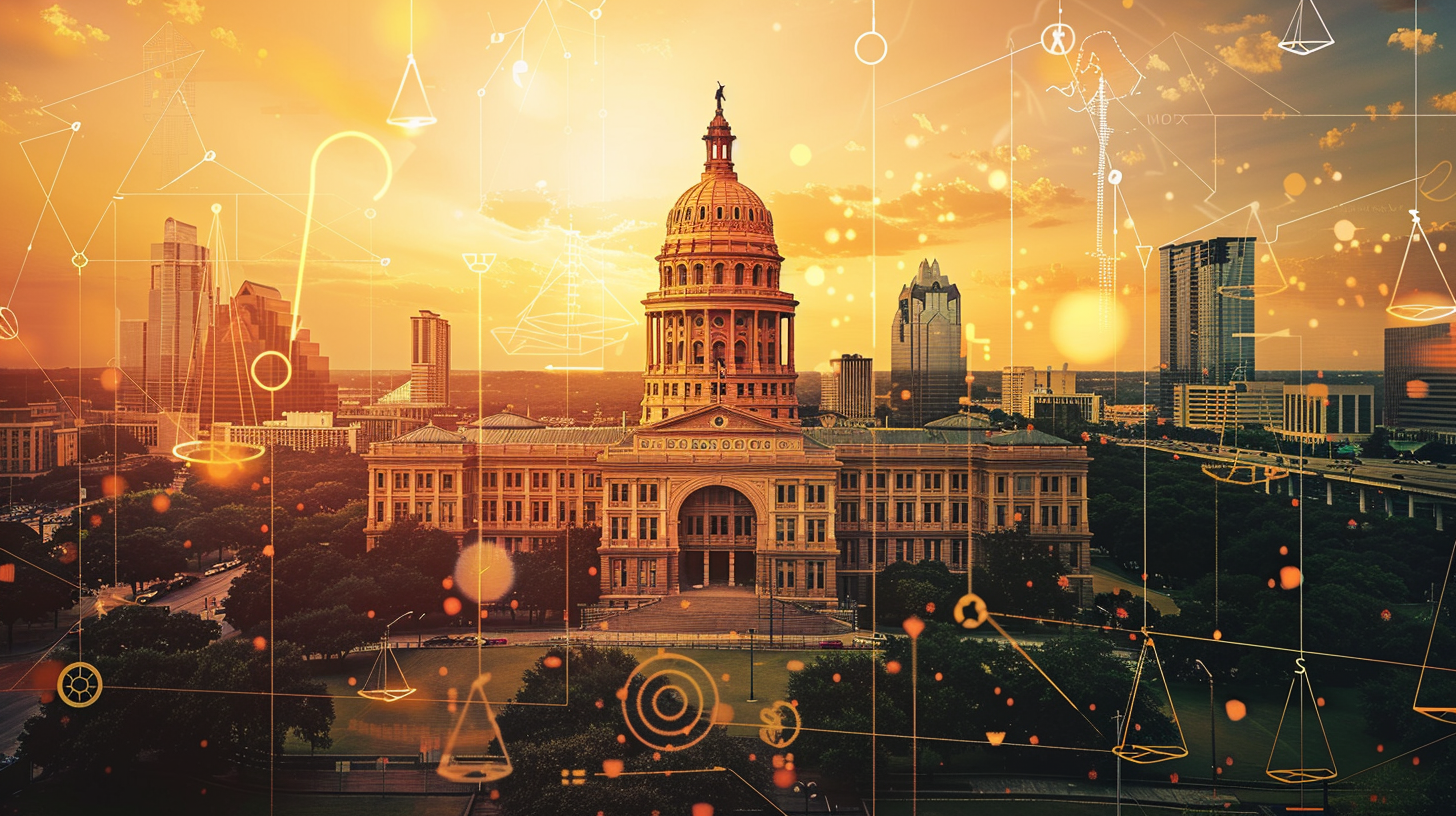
[507, 419]
[430, 435]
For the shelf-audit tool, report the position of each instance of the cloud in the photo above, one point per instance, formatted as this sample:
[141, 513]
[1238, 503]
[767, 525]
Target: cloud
[1417, 40]
[1335, 139]
[1155, 63]
[185, 10]
[1001, 154]
[1132, 157]
[1445, 103]
[1257, 55]
[854, 147]
[924, 122]
[935, 214]
[226, 37]
[1170, 94]
[1249, 21]
[68, 27]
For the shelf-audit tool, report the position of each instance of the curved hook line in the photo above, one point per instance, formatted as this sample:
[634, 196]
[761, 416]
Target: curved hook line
[308, 214]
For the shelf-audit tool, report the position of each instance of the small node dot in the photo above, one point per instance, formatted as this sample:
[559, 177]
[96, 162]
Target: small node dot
[216, 208]
[384, 262]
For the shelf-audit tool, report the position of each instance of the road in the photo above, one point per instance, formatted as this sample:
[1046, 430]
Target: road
[25, 676]
[1430, 480]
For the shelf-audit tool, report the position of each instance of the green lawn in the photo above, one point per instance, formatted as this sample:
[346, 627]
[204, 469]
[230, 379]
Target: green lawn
[423, 720]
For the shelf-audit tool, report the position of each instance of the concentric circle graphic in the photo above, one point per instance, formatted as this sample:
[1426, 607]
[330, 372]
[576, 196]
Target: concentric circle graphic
[79, 685]
[669, 702]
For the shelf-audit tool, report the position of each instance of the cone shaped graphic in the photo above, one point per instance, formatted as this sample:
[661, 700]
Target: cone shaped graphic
[1299, 768]
[1141, 741]
[386, 681]
[1422, 293]
[411, 107]
[1435, 695]
[475, 752]
[1307, 32]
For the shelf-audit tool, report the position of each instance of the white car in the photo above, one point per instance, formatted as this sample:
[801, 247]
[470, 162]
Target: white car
[873, 639]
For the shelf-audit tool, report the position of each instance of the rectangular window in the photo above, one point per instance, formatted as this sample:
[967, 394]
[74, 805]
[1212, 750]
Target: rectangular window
[932, 481]
[930, 512]
[401, 480]
[788, 494]
[815, 576]
[619, 572]
[652, 573]
[849, 511]
[786, 574]
[489, 480]
[904, 512]
[1000, 515]
[1000, 485]
[1021, 515]
[487, 510]
[513, 511]
[589, 513]
[447, 481]
[1051, 515]
[697, 389]
[379, 479]
[880, 551]
[647, 492]
[379, 509]
[880, 512]
[514, 479]
[1051, 484]
[1074, 485]
[1074, 515]
[1025, 485]
[447, 512]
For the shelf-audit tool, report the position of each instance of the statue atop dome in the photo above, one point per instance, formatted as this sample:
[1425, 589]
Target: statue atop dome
[718, 97]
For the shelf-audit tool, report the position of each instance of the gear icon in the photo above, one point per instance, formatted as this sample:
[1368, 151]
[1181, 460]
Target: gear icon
[79, 685]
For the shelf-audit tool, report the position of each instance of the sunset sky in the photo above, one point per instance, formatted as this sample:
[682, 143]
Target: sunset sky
[1217, 132]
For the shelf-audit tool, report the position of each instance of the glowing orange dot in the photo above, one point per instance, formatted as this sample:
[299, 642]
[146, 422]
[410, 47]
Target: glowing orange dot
[444, 670]
[1235, 709]
[1028, 585]
[1010, 701]
[1271, 583]
[161, 502]
[370, 614]
[752, 757]
[1063, 581]
[893, 667]
[1092, 774]
[795, 665]
[930, 608]
[1380, 749]
[621, 739]
[515, 604]
[1229, 761]
[612, 768]
[1415, 760]
[913, 626]
[260, 643]
[702, 809]
[1091, 706]
[1284, 551]
[452, 606]
[996, 691]
[448, 582]
[551, 662]
[785, 778]
[1174, 778]
[300, 507]
[836, 677]
[204, 743]
[939, 677]
[264, 528]
[1294, 502]
[1290, 577]
[495, 794]
[187, 545]
[1417, 389]
[1132, 635]
[268, 550]
[1320, 701]
[591, 571]
[353, 681]
[1033, 740]
[905, 395]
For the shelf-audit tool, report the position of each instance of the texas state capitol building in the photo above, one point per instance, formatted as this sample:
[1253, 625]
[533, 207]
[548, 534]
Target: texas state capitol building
[720, 484]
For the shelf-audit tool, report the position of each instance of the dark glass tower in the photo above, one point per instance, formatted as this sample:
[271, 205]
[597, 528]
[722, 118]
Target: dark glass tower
[1204, 286]
[927, 364]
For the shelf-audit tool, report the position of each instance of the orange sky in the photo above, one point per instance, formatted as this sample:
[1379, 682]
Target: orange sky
[604, 140]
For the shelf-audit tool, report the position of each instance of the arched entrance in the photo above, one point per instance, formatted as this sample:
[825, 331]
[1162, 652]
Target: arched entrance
[717, 534]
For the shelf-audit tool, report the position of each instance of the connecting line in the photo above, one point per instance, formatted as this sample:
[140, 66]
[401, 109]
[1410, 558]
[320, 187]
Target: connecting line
[1022, 652]
[1421, 179]
[1227, 642]
[698, 770]
[1348, 777]
[279, 199]
[963, 73]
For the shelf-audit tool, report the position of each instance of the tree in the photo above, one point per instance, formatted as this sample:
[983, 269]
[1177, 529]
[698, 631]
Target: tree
[1023, 577]
[142, 627]
[332, 632]
[541, 574]
[146, 555]
[908, 587]
[38, 588]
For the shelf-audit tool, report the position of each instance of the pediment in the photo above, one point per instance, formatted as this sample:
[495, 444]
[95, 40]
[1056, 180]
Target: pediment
[719, 419]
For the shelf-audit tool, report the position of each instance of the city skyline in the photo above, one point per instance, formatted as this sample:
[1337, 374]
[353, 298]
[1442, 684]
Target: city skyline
[499, 174]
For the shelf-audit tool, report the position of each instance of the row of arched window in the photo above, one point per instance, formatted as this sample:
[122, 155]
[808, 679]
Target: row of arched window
[740, 276]
[719, 213]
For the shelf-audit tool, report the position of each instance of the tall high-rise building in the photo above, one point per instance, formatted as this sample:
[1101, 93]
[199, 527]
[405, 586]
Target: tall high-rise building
[927, 361]
[1420, 377]
[179, 308]
[1204, 289]
[1020, 383]
[259, 320]
[132, 359]
[848, 388]
[719, 329]
[429, 359]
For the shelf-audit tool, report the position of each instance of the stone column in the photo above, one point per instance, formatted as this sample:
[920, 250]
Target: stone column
[705, 569]
[731, 560]
[1364, 508]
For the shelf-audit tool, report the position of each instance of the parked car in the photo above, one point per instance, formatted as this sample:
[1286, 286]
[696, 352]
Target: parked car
[440, 640]
[214, 570]
[831, 644]
[1397, 476]
[876, 639]
[148, 596]
[236, 562]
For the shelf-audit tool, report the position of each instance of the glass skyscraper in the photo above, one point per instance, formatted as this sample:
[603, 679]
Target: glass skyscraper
[927, 363]
[1205, 289]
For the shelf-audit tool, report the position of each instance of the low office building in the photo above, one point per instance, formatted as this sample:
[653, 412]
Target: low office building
[1316, 413]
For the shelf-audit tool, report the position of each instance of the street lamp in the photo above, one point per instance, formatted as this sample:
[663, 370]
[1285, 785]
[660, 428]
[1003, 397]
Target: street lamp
[1212, 724]
[810, 791]
[752, 698]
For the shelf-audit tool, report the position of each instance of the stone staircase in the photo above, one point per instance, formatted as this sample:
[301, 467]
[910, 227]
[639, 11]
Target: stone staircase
[720, 611]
